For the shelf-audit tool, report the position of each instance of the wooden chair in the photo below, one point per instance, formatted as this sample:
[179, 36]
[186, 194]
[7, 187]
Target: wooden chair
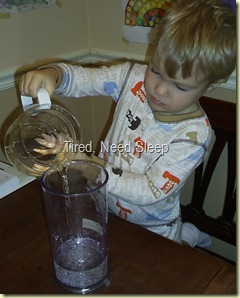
[222, 116]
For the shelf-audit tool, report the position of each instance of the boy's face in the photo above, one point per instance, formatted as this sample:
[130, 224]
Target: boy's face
[173, 96]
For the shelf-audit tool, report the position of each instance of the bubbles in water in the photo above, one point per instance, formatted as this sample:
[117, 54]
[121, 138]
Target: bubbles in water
[80, 263]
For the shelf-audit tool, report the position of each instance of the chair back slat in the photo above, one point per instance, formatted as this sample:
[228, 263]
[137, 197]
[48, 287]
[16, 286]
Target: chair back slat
[222, 116]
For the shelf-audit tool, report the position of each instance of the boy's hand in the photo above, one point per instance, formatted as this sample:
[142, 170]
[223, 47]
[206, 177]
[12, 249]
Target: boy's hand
[31, 81]
[55, 144]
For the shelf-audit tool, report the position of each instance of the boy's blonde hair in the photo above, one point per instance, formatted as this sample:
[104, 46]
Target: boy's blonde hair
[198, 37]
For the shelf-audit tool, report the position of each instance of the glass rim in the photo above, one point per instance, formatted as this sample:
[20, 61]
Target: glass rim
[63, 194]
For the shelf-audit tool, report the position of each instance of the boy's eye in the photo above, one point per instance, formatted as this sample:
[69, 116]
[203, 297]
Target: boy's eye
[181, 88]
[154, 70]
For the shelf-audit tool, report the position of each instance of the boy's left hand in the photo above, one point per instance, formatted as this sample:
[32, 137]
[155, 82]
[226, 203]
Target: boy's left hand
[55, 144]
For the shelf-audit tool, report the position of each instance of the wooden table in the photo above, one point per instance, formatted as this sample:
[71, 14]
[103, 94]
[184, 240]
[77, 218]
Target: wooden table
[140, 261]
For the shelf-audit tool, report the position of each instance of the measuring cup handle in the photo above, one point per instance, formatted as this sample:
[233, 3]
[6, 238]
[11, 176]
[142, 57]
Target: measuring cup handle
[43, 98]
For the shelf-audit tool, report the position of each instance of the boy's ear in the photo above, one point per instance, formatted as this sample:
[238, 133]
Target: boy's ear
[216, 84]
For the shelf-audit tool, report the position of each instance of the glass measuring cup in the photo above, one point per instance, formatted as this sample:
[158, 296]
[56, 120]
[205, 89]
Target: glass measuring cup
[38, 120]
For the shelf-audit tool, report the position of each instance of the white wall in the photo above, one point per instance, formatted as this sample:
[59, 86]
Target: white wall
[82, 31]
[43, 33]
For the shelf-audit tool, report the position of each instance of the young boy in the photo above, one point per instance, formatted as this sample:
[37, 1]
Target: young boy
[159, 129]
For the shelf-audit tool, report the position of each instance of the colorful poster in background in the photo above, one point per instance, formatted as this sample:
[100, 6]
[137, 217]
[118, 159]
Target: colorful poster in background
[141, 18]
[14, 6]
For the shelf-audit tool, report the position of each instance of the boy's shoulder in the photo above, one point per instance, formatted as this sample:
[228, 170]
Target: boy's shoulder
[139, 67]
[132, 66]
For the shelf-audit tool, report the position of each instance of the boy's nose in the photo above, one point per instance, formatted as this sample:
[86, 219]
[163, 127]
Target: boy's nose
[161, 88]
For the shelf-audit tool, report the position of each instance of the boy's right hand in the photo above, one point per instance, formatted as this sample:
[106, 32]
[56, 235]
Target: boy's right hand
[31, 81]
